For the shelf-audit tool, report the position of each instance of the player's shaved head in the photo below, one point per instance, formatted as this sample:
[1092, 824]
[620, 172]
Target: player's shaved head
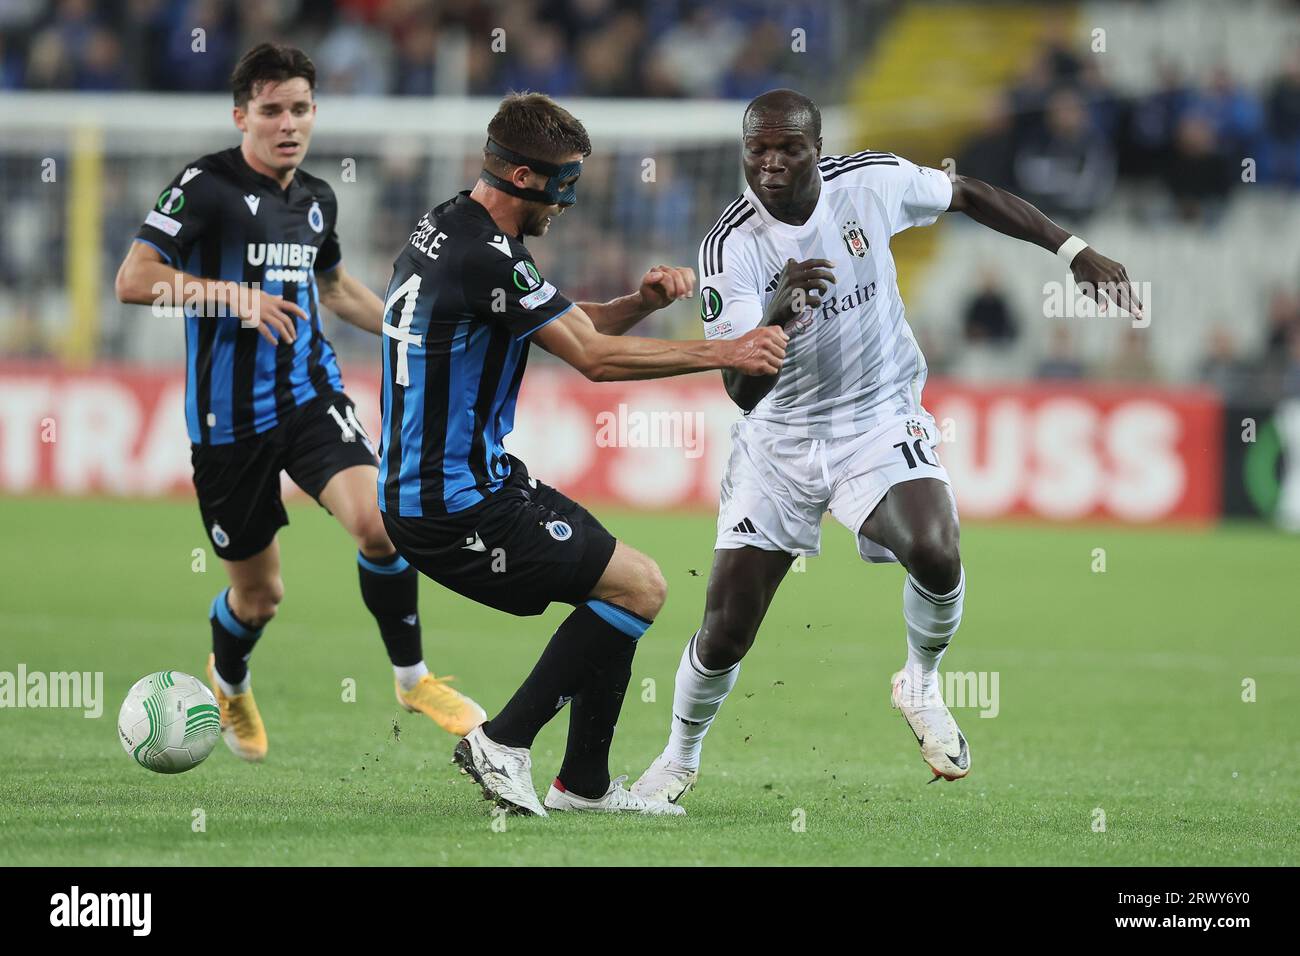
[781, 135]
[785, 109]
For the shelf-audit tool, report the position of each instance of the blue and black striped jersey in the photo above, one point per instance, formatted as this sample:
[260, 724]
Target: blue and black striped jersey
[462, 303]
[219, 219]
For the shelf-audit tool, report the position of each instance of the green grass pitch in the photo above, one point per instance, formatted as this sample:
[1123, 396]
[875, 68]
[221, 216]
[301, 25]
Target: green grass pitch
[1119, 693]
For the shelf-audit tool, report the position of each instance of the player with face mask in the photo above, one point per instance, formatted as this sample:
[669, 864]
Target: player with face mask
[465, 302]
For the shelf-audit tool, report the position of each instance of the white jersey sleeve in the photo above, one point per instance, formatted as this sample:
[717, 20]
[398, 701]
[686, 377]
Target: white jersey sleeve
[915, 195]
[731, 299]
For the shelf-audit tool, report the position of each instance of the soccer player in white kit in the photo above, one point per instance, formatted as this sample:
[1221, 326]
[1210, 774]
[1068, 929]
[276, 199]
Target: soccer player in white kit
[841, 427]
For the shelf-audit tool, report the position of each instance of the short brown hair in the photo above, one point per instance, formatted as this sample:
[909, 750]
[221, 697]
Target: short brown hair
[535, 125]
[269, 63]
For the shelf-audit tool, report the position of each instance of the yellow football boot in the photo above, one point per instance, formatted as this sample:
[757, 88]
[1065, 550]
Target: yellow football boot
[448, 708]
[241, 724]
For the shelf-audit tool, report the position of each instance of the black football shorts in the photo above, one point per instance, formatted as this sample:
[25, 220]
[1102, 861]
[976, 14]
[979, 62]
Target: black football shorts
[238, 484]
[520, 549]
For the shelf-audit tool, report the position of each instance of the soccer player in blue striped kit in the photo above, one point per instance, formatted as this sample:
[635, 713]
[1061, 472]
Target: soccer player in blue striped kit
[248, 233]
[464, 304]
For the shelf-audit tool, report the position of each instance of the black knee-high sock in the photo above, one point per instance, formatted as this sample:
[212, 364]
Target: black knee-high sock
[592, 718]
[232, 640]
[588, 661]
[391, 587]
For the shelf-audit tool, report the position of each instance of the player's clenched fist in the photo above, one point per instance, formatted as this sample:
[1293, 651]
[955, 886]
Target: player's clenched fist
[800, 286]
[760, 352]
[664, 285]
[272, 316]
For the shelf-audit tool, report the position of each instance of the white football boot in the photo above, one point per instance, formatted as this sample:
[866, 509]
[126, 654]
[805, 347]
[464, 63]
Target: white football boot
[615, 800]
[665, 780]
[504, 773]
[943, 746]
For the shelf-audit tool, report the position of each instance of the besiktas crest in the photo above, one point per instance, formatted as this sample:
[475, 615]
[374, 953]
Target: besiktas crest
[855, 239]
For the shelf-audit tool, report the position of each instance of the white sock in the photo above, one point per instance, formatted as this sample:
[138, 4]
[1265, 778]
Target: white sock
[932, 619]
[229, 689]
[697, 696]
[408, 677]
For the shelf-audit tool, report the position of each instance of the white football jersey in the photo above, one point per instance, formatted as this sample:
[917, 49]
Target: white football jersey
[852, 362]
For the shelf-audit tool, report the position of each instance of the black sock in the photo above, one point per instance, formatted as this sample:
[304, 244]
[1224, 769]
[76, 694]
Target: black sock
[232, 640]
[556, 677]
[391, 587]
[595, 709]
[588, 661]
[592, 717]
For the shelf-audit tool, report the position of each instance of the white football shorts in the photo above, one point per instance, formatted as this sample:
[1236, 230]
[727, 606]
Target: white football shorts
[777, 487]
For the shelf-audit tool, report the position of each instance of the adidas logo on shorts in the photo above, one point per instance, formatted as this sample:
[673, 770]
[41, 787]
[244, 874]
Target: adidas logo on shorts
[745, 527]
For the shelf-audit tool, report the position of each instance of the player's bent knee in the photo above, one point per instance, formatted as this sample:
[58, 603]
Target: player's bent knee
[656, 588]
[372, 539]
[647, 591]
[634, 582]
[258, 605]
[935, 561]
[719, 649]
[726, 637]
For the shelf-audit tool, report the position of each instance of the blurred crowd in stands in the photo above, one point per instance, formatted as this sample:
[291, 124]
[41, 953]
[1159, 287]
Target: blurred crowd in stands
[989, 325]
[1062, 137]
[659, 48]
[1064, 140]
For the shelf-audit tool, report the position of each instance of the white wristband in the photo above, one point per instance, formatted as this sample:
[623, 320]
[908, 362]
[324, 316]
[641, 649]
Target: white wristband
[1071, 248]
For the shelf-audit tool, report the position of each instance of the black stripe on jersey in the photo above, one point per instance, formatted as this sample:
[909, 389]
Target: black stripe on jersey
[717, 227]
[284, 351]
[392, 439]
[518, 377]
[245, 361]
[316, 373]
[722, 237]
[827, 177]
[241, 380]
[708, 237]
[494, 363]
[203, 377]
[437, 382]
[830, 162]
[209, 265]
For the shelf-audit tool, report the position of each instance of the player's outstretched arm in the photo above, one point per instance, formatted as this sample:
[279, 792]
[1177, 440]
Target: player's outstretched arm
[660, 287]
[1012, 216]
[799, 287]
[145, 279]
[350, 299]
[612, 358]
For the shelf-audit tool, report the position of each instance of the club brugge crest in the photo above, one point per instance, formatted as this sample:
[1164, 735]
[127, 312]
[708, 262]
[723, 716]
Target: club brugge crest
[315, 218]
[855, 239]
[560, 530]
